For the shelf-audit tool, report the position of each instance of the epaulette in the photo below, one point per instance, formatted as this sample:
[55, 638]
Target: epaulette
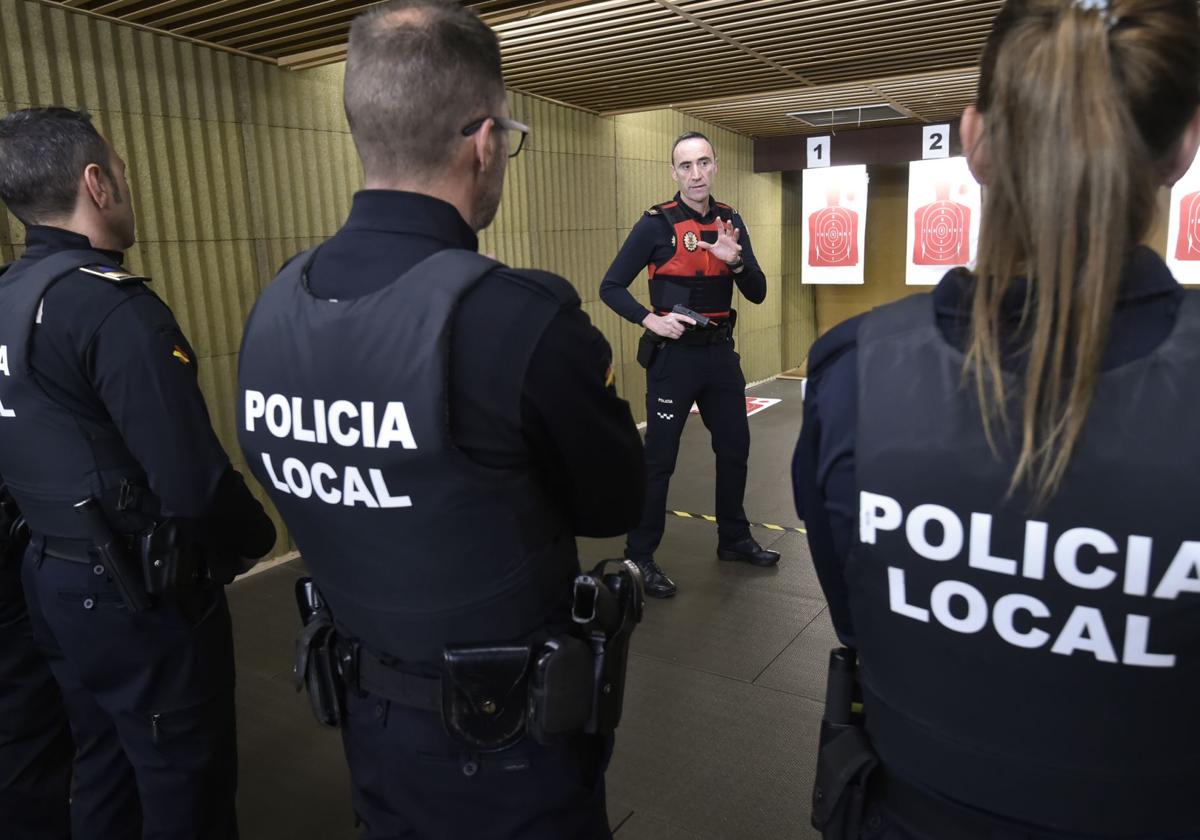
[654, 211]
[114, 275]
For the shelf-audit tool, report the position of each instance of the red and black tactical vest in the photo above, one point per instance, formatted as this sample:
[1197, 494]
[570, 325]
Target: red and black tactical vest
[692, 276]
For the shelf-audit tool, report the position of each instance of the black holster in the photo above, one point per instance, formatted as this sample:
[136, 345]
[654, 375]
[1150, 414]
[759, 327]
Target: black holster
[608, 605]
[318, 664]
[169, 564]
[846, 760]
[14, 532]
[648, 346]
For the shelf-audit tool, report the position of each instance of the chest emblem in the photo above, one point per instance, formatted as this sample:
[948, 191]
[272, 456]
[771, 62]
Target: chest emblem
[691, 241]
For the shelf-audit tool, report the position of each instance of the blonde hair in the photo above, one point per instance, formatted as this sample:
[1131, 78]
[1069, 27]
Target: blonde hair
[1084, 105]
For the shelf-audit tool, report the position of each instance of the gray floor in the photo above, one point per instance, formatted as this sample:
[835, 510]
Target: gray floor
[719, 733]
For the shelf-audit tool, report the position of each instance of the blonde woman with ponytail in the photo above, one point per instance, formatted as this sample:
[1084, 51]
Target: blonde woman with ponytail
[1001, 479]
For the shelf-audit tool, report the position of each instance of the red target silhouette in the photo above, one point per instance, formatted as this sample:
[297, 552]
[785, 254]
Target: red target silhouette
[1188, 247]
[833, 235]
[943, 231]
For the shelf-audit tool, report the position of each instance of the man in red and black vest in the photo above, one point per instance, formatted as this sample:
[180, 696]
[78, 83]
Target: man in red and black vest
[695, 249]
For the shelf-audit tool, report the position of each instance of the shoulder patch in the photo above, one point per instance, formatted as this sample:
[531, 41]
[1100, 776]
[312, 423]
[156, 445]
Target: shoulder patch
[654, 211]
[114, 275]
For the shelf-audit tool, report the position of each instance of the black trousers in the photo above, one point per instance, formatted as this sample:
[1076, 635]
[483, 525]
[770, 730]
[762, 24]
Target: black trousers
[710, 376]
[150, 702]
[411, 781]
[36, 749]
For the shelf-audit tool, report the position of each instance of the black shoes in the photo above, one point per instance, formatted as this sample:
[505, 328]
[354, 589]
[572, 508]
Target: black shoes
[748, 551]
[656, 583]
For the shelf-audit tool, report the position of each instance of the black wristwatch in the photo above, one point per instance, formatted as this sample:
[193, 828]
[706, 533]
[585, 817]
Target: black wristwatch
[737, 266]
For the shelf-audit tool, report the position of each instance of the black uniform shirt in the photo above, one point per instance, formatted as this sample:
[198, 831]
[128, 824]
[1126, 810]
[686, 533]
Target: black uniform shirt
[141, 373]
[823, 476]
[578, 434]
[652, 241]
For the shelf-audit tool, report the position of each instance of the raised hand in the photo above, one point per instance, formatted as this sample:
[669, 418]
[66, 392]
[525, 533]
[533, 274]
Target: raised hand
[726, 248]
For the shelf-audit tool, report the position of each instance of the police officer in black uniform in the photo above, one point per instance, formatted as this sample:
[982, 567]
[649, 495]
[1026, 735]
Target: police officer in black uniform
[695, 250]
[1017, 561]
[136, 516]
[36, 749]
[436, 428]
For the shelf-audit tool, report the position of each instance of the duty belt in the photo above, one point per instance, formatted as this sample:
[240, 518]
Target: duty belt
[64, 548]
[913, 806]
[371, 674]
[702, 337]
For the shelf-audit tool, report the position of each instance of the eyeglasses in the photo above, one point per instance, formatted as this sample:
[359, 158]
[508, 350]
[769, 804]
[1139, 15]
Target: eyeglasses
[515, 132]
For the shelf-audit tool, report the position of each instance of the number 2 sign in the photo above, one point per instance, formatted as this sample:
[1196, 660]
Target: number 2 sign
[936, 142]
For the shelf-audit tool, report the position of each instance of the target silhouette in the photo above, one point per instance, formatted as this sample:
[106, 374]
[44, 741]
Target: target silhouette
[1188, 247]
[833, 238]
[943, 234]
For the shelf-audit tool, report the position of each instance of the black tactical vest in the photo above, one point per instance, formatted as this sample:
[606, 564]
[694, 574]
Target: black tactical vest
[1043, 665]
[53, 455]
[343, 416]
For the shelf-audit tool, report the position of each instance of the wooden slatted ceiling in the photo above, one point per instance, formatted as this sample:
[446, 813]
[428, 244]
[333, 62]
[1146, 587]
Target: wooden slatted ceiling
[743, 64]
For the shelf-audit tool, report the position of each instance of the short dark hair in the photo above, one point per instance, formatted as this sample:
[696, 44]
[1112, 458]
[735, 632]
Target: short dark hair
[43, 154]
[690, 135]
[417, 73]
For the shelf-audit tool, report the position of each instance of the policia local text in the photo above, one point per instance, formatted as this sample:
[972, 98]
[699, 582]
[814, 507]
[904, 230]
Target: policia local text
[344, 423]
[1020, 619]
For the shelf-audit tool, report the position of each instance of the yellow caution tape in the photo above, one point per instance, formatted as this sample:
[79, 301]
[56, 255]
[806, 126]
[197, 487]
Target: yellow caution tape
[683, 514]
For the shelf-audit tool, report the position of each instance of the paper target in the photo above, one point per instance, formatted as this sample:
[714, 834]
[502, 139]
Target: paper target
[1183, 233]
[835, 213]
[944, 203]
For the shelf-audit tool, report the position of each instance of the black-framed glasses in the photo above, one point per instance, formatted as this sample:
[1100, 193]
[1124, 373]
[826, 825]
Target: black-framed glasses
[515, 132]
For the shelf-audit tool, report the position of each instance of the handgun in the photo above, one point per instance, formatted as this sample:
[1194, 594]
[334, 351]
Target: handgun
[701, 320]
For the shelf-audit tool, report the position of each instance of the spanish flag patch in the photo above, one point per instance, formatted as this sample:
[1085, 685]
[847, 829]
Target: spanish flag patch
[181, 354]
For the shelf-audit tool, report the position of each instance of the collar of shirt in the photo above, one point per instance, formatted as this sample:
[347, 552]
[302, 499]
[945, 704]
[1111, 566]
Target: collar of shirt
[393, 211]
[43, 240]
[707, 218]
[1145, 276]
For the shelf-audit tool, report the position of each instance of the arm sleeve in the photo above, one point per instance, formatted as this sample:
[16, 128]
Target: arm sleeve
[823, 478]
[634, 256]
[751, 281]
[580, 433]
[144, 371]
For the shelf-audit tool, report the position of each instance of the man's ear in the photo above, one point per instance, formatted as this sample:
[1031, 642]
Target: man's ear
[1186, 154]
[971, 129]
[485, 145]
[97, 186]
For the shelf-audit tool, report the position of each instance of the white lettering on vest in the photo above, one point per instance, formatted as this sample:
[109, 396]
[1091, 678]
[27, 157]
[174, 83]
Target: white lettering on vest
[877, 513]
[1085, 631]
[981, 556]
[898, 597]
[1066, 558]
[1004, 615]
[977, 609]
[952, 532]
